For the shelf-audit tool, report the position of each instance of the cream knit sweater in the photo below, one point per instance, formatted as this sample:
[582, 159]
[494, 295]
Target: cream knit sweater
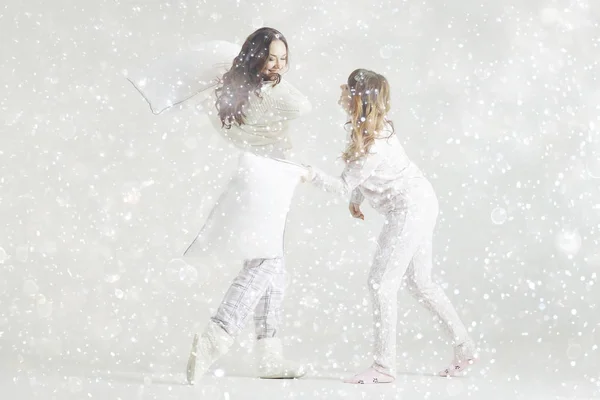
[267, 118]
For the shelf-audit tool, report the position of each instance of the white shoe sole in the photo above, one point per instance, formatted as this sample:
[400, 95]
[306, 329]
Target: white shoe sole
[280, 376]
[191, 365]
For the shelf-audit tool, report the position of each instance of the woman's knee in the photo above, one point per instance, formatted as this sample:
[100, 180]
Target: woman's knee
[419, 286]
[374, 280]
[383, 284]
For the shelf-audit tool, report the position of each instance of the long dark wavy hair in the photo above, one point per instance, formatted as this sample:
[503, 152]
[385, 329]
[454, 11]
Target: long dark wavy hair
[246, 76]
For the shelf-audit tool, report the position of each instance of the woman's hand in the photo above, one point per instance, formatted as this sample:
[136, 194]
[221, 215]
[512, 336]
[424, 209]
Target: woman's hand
[308, 176]
[355, 211]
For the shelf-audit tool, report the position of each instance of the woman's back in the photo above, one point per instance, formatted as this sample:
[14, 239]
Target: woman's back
[393, 176]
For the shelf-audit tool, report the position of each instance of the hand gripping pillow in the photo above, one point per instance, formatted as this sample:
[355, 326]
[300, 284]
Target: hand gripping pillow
[248, 220]
[175, 78]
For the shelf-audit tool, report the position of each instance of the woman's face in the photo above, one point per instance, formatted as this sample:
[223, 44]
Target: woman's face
[345, 98]
[277, 60]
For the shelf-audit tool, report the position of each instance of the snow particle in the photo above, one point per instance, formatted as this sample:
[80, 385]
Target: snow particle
[219, 373]
[386, 52]
[188, 274]
[44, 308]
[574, 351]
[499, 215]
[568, 242]
[550, 16]
[593, 168]
[257, 22]
[30, 288]
[75, 384]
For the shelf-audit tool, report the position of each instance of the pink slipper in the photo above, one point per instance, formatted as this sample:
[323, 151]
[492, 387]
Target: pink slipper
[371, 375]
[456, 367]
[464, 357]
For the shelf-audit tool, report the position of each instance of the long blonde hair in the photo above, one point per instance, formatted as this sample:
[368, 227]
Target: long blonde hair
[369, 105]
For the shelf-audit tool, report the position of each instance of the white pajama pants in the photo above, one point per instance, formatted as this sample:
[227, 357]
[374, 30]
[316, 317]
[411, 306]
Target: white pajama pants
[259, 288]
[405, 250]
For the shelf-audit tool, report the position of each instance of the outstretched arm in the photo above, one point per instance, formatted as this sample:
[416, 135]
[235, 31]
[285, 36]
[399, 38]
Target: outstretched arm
[355, 173]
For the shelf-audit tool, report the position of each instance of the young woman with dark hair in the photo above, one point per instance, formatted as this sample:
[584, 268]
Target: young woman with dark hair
[252, 106]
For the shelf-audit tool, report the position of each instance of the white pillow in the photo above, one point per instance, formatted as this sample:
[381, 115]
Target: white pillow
[172, 79]
[248, 220]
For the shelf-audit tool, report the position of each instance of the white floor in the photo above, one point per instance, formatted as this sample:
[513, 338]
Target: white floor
[515, 371]
[131, 385]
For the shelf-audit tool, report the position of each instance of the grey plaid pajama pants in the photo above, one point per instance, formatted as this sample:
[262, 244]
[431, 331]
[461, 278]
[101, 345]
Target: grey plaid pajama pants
[258, 288]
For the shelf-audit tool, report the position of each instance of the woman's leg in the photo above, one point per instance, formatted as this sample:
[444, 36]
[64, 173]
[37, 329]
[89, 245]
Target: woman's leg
[245, 293]
[396, 245]
[268, 316]
[232, 315]
[435, 300]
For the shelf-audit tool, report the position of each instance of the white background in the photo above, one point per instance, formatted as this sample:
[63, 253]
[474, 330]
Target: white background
[495, 100]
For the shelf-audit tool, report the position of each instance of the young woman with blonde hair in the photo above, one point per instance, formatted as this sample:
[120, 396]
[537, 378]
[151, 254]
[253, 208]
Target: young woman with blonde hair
[378, 169]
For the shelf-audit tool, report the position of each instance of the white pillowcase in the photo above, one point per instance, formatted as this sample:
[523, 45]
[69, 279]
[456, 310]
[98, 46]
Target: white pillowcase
[248, 220]
[172, 79]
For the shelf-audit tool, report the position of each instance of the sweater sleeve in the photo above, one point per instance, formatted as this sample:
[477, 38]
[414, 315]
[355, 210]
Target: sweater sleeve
[286, 102]
[355, 173]
[357, 196]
